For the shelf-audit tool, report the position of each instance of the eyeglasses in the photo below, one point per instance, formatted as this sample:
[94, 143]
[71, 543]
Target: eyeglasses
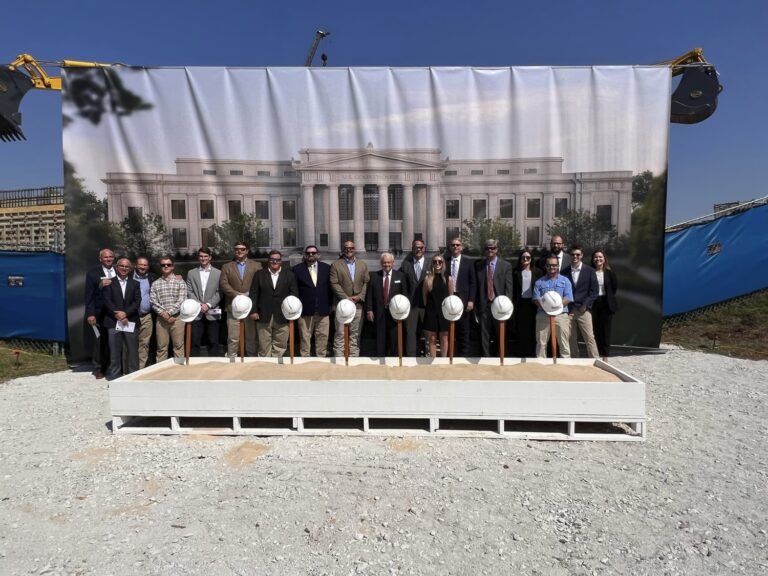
[456, 244]
[275, 260]
[490, 247]
[240, 249]
[576, 254]
[166, 265]
[123, 266]
[553, 266]
[418, 247]
[348, 248]
[311, 253]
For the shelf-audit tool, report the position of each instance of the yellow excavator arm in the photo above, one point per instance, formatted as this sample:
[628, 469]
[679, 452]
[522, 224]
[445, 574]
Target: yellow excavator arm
[40, 79]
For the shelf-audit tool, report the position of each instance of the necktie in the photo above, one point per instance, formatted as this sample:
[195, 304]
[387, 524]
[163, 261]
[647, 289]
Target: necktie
[417, 269]
[489, 282]
[454, 266]
[386, 290]
[313, 274]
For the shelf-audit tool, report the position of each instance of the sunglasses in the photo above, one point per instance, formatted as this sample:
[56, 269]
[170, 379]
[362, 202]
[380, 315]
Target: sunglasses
[490, 247]
[577, 254]
[166, 265]
[240, 249]
[455, 244]
[311, 253]
[348, 248]
[275, 260]
[525, 257]
[437, 261]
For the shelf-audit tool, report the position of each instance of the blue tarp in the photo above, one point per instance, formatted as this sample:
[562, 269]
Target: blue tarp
[35, 307]
[716, 261]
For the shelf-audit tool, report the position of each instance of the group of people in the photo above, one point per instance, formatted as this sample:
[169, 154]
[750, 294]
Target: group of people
[133, 312]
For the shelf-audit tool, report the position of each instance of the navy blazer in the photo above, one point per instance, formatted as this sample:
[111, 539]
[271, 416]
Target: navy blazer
[374, 298]
[94, 299]
[314, 299]
[114, 301]
[268, 301]
[586, 290]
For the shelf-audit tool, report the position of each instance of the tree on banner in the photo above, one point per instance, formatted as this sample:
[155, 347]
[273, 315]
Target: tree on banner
[242, 228]
[583, 228]
[145, 235]
[475, 233]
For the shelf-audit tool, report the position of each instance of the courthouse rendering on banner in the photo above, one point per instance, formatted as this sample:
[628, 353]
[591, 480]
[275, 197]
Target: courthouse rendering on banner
[380, 198]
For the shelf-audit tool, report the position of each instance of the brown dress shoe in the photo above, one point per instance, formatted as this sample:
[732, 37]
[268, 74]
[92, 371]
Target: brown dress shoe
[98, 374]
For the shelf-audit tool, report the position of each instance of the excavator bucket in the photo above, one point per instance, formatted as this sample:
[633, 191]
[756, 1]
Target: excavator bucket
[695, 98]
[13, 86]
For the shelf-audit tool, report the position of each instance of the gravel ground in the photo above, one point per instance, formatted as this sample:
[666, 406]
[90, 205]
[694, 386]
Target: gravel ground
[692, 499]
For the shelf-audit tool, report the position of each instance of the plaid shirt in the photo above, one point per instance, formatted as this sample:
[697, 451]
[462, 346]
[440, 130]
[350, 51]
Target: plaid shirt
[167, 294]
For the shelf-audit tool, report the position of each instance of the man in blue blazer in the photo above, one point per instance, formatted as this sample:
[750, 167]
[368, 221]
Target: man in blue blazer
[585, 291]
[122, 298]
[312, 279]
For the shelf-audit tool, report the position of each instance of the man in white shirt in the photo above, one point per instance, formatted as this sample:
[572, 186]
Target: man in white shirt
[270, 286]
[585, 291]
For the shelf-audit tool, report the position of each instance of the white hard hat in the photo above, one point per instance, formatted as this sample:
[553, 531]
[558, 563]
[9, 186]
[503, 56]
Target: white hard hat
[453, 308]
[345, 311]
[399, 307]
[190, 309]
[501, 308]
[241, 307]
[291, 307]
[552, 303]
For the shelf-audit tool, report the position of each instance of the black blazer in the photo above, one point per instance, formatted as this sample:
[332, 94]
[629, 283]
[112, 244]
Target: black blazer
[267, 301]
[414, 283]
[502, 281]
[94, 299]
[114, 301]
[314, 299]
[611, 284]
[586, 291]
[517, 282]
[466, 279]
[374, 298]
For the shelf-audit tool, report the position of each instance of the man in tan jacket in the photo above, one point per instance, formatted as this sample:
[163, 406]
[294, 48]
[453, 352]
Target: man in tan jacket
[236, 279]
[349, 279]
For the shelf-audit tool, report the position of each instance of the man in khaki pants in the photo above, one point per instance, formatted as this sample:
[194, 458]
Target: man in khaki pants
[236, 279]
[166, 295]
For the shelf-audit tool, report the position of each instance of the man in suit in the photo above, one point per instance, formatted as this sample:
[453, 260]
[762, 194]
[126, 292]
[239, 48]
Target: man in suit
[203, 286]
[415, 268]
[236, 279]
[96, 280]
[499, 272]
[585, 291]
[556, 249]
[313, 281]
[383, 285]
[464, 282]
[349, 279]
[269, 288]
[146, 328]
[122, 298]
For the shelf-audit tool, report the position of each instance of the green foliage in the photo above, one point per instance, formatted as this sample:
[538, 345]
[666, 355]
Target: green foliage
[145, 236]
[641, 187]
[647, 232]
[475, 232]
[97, 91]
[583, 228]
[242, 228]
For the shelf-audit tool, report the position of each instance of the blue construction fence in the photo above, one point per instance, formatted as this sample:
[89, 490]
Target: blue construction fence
[715, 261]
[32, 289]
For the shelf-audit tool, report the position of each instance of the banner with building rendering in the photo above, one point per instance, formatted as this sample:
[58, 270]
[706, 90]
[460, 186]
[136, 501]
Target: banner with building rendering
[171, 159]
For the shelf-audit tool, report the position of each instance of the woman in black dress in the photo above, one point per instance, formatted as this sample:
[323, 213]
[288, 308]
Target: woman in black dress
[436, 288]
[605, 306]
[524, 276]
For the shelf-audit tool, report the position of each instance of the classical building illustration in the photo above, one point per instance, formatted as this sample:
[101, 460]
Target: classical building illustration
[380, 198]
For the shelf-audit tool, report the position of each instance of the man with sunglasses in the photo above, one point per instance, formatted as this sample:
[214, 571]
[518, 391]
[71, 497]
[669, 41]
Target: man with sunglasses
[236, 279]
[349, 279]
[270, 286]
[553, 281]
[415, 268]
[585, 291]
[166, 295]
[494, 278]
[313, 281]
[464, 282]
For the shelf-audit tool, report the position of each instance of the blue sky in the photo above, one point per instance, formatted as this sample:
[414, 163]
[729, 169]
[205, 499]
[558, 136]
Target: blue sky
[714, 161]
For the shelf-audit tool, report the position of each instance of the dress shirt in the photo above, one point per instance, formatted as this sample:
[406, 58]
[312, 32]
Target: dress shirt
[351, 268]
[600, 283]
[145, 307]
[275, 276]
[241, 269]
[526, 276]
[205, 273]
[123, 282]
[575, 274]
[417, 267]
